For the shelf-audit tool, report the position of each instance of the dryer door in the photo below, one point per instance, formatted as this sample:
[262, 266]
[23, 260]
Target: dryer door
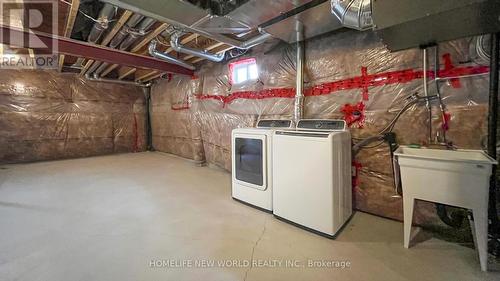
[250, 164]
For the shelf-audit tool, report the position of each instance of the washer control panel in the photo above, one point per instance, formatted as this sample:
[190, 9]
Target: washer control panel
[321, 125]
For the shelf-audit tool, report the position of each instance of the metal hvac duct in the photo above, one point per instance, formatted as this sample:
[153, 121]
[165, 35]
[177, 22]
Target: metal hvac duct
[124, 31]
[127, 36]
[356, 14]
[99, 70]
[123, 82]
[186, 17]
[106, 14]
[427, 22]
[298, 104]
[137, 32]
[178, 47]
[159, 55]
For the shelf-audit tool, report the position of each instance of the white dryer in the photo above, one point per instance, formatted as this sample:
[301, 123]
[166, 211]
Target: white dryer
[312, 175]
[252, 163]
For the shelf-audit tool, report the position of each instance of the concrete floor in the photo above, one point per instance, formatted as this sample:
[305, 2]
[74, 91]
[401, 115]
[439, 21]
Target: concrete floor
[108, 218]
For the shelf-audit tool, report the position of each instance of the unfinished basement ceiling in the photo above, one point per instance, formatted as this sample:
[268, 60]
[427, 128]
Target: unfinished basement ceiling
[187, 33]
[205, 30]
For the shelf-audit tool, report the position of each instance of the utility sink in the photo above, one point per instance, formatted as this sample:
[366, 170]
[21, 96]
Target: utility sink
[453, 177]
[466, 156]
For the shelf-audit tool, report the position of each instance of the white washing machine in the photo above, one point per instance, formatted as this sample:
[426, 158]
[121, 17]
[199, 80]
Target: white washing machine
[312, 175]
[252, 163]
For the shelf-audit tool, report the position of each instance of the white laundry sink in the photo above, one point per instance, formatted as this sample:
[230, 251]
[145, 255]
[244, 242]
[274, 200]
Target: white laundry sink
[466, 156]
[453, 177]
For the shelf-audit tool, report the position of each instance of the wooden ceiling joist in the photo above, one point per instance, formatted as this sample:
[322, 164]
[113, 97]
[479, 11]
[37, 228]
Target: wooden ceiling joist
[139, 48]
[152, 77]
[70, 22]
[184, 40]
[208, 48]
[224, 49]
[125, 71]
[141, 77]
[123, 19]
[142, 74]
[152, 35]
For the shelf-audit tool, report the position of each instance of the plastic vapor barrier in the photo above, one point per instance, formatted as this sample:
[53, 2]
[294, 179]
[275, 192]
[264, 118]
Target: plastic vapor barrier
[45, 115]
[348, 75]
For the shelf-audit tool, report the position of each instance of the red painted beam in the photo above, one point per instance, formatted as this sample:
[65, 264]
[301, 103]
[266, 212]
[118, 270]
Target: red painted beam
[77, 48]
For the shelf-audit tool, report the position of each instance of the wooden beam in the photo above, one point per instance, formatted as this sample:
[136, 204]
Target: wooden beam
[119, 24]
[70, 22]
[123, 19]
[152, 35]
[109, 69]
[125, 71]
[141, 74]
[153, 77]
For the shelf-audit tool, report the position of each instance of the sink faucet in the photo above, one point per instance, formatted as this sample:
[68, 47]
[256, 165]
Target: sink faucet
[440, 140]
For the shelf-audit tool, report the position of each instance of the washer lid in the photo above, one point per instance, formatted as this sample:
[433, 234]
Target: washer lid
[321, 125]
[274, 123]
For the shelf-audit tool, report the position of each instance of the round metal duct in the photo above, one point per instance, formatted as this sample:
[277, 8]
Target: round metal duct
[355, 14]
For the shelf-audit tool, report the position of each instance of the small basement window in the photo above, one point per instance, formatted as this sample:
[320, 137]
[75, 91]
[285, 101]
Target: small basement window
[243, 70]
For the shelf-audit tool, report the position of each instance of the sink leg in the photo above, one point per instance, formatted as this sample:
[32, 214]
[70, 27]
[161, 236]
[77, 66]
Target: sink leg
[408, 203]
[481, 235]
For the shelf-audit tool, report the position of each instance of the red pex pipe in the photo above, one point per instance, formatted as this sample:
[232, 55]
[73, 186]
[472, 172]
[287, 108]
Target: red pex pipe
[359, 82]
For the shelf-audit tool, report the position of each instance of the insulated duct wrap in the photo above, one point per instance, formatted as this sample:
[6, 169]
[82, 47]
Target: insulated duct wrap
[45, 115]
[334, 66]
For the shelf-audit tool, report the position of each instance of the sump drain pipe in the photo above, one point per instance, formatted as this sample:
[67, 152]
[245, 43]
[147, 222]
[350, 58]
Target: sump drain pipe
[299, 87]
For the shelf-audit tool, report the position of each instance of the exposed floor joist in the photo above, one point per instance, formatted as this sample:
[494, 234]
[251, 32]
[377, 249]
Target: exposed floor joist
[208, 48]
[224, 49]
[70, 22]
[140, 74]
[139, 45]
[144, 75]
[184, 40]
[152, 77]
[123, 19]
[125, 71]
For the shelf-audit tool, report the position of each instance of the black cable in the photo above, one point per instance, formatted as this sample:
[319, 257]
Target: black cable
[492, 129]
[387, 129]
[453, 219]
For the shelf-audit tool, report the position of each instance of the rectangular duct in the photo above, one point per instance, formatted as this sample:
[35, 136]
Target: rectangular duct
[314, 21]
[176, 10]
[404, 24]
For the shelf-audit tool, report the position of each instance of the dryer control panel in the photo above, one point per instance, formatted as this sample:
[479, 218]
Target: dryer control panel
[271, 123]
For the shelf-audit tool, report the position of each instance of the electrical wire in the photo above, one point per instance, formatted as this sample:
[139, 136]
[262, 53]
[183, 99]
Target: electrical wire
[481, 51]
[84, 14]
[160, 39]
[363, 143]
[66, 2]
[375, 145]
